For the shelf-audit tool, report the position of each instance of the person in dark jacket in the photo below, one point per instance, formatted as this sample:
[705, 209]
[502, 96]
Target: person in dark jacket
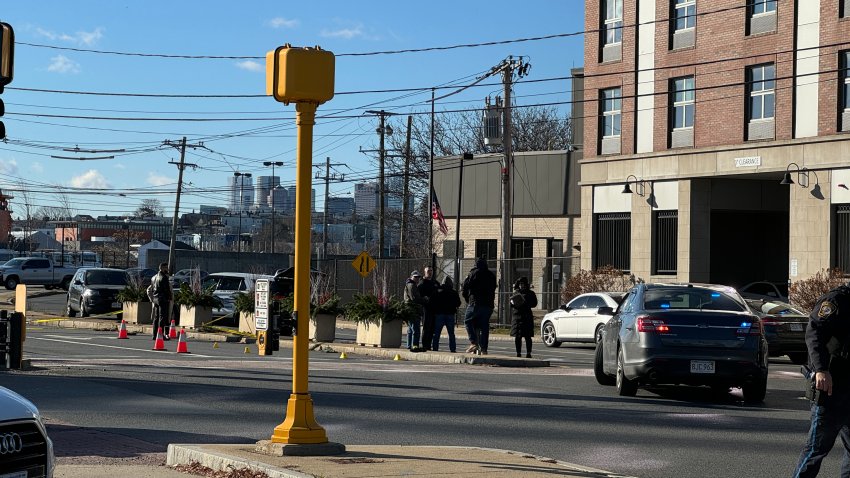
[479, 291]
[161, 292]
[828, 342]
[522, 319]
[412, 295]
[428, 290]
[445, 308]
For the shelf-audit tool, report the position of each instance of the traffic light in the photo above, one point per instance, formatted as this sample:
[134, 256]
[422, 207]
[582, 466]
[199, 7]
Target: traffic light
[7, 65]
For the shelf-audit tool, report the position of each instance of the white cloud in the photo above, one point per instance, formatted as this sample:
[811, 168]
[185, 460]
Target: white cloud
[8, 167]
[90, 179]
[63, 64]
[119, 166]
[346, 33]
[280, 22]
[250, 65]
[37, 168]
[79, 38]
[155, 179]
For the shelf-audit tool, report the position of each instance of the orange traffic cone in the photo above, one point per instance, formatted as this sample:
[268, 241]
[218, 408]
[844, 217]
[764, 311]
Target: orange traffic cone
[182, 348]
[122, 330]
[160, 342]
[172, 330]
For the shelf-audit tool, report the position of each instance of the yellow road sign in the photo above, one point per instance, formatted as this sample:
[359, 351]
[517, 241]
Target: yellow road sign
[364, 264]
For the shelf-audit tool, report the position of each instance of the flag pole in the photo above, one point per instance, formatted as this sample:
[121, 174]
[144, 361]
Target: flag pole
[457, 219]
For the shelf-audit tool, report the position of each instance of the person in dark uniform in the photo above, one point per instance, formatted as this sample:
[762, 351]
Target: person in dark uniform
[828, 341]
[522, 319]
[162, 296]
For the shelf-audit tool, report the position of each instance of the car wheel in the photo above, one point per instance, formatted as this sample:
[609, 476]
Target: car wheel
[83, 311]
[799, 358]
[69, 311]
[549, 337]
[601, 377]
[755, 391]
[597, 335]
[11, 283]
[625, 387]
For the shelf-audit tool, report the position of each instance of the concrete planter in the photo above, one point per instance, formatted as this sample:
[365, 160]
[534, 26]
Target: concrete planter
[194, 317]
[385, 334]
[138, 312]
[246, 323]
[323, 328]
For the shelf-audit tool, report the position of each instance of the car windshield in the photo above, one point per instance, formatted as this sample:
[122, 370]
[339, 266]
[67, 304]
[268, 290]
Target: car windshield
[775, 308]
[106, 278]
[14, 262]
[690, 298]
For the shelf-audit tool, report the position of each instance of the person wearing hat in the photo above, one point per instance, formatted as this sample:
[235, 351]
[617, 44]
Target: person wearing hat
[412, 295]
[522, 319]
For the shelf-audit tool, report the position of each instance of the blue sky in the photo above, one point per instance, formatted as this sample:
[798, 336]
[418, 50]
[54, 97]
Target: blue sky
[248, 28]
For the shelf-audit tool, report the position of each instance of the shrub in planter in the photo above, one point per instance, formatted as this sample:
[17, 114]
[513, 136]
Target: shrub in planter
[323, 318]
[379, 320]
[243, 304]
[196, 305]
[136, 303]
[805, 293]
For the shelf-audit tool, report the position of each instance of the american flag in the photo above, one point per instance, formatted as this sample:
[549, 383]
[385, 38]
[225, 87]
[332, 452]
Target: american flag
[437, 213]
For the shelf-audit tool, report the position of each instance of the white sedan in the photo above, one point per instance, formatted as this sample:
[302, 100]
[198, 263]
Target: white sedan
[579, 320]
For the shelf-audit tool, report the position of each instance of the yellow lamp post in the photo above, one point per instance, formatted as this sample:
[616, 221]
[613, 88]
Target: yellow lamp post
[304, 76]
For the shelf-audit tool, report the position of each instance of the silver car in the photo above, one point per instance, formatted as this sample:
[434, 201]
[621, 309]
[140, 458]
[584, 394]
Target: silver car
[25, 449]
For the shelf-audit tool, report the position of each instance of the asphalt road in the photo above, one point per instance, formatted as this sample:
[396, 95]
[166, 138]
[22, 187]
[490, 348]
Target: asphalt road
[222, 395]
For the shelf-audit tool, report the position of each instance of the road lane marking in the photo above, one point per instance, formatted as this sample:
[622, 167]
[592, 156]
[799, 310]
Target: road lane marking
[115, 347]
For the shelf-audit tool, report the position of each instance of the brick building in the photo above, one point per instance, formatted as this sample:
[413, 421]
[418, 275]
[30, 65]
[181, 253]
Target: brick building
[699, 109]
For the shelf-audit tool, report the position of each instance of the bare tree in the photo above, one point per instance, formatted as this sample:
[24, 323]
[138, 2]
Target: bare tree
[149, 208]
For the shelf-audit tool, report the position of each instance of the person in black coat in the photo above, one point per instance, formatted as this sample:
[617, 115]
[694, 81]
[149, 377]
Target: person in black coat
[445, 307]
[522, 320]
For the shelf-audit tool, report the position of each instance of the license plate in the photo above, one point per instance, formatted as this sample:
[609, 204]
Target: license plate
[17, 474]
[702, 366]
[797, 327]
[115, 305]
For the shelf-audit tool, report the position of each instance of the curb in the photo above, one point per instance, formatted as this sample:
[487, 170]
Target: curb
[433, 357]
[185, 454]
[111, 325]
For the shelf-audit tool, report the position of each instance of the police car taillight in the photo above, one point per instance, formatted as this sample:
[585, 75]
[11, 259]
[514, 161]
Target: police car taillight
[750, 326]
[651, 325]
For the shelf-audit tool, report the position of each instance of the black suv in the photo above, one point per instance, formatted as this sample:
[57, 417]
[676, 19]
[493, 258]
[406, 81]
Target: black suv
[94, 290]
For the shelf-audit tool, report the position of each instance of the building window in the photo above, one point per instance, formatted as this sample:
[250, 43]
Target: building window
[665, 242]
[685, 14]
[845, 85]
[613, 237]
[612, 104]
[683, 102]
[487, 249]
[841, 235]
[763, 6]
[613, 24]
[762, 97]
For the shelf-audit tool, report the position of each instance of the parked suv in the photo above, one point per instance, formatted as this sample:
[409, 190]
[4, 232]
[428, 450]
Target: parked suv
[26, 450]
[94, 291]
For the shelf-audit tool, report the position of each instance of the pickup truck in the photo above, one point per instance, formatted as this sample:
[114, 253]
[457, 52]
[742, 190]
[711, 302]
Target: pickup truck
[35, 271]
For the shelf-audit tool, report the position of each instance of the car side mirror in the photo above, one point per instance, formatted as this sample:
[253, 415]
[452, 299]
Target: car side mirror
[78, 282]
[566, 308]
[605, 311]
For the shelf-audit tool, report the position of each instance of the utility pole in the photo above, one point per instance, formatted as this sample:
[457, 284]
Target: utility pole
[382, 131]
[180, 167]
[328, 178]
[273, 164]
[406, 192]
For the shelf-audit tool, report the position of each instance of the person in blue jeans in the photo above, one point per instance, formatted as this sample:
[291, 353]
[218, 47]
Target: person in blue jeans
[412, 295]
[479, 291]
[445, 308]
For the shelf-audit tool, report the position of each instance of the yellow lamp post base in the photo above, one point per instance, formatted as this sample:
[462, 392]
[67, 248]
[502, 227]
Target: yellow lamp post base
[300, 426]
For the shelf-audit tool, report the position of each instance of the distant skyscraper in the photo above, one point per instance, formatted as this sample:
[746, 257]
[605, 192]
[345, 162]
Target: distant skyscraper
[237, 184]
[263, 189]
[343, 206]
[366, 199]
[395, 189]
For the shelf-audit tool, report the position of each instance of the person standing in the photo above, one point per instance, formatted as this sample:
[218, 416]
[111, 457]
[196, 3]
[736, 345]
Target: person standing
[162, 295]
[522, 319]
[412, 295]
[479, 291]
[428, 290]
[445, 309]
[828, 342]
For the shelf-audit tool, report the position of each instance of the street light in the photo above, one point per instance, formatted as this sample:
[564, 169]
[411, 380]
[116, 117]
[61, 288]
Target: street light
[241, 206]
[273, 164]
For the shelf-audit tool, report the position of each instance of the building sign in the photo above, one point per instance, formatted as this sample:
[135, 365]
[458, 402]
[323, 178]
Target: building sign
[748, 162]
[793, 268]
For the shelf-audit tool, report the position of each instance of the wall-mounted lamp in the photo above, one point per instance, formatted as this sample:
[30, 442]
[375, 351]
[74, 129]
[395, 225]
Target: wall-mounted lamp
[641, 186]
[802, 176]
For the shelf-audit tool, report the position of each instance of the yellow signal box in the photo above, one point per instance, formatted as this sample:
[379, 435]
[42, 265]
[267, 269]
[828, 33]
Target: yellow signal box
[300, 75]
